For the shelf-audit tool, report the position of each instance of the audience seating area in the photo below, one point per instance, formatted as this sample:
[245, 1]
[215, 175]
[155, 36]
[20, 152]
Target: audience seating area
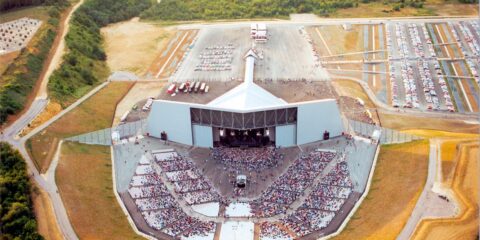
[325, 200]
[188, 182]
[250, 159]
[290, 185]
[160, 209]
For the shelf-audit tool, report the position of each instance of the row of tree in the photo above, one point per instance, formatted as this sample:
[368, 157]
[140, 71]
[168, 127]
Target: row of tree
[226, 9]
[21, 76]
[16, 209]
[85, 61]
[12, 4]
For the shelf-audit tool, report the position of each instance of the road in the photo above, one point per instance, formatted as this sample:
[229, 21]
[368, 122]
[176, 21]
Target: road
[57, 56]
[38, 105]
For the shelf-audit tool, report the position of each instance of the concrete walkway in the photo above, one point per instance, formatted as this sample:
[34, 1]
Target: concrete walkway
[429, 204]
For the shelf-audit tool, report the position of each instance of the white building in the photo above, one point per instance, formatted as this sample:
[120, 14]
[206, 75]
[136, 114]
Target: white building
[245, 115]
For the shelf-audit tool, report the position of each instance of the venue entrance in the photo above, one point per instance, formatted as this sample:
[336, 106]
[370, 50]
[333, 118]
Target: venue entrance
[258, 137]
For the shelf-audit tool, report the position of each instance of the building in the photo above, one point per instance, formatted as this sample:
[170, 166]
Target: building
[247, 115]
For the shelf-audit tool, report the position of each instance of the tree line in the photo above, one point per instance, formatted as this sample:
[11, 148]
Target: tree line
[227, 9]
[16, 209]
[84, 63]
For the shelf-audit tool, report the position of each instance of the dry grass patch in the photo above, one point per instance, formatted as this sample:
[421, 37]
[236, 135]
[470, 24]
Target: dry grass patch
[398, 180]
[7, 59]
[133, 45]
[465, 186]
[44, 214]
[84, 179]
[94, 114]
[404, 122]
[352, 89]
[340, 41]
[52, 109]
[448, 153]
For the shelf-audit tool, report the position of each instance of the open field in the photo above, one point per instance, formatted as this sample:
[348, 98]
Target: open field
[166, 61]
[431, 8]
[465, 186]
[401, 122]
[398, 180]
[94, 114]
[133, 45]
[338, 40]
[84, 180]
[46, 219]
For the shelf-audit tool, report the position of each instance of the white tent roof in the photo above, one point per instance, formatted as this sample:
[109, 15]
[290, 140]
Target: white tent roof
[247, 95]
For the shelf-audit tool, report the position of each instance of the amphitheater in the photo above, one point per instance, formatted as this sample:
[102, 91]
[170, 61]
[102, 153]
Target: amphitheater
[304, 172]
[247, 160]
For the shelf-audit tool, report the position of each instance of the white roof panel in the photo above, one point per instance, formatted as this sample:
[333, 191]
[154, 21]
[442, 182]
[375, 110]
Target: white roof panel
[247, 96]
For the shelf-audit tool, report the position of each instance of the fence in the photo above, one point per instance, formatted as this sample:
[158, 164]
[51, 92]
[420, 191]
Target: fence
[104, 136]
[388, 135]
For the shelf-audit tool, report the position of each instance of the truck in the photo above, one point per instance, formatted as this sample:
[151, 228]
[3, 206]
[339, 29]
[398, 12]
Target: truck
[171, 88]
[196, 86]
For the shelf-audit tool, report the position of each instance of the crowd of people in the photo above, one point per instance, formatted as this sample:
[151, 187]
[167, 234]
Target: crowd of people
[290, 185]
[272, 231]
[162, 212]
[157, 205]
[187, 181]
[249, 159]
[324, 202]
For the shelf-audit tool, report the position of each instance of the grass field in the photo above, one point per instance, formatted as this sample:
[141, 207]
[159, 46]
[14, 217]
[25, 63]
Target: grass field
[465, 185]
[84, 179]
[94, 114]
[398, 180]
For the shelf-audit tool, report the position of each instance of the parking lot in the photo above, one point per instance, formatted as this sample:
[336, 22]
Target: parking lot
[434, 66]
[218, 54]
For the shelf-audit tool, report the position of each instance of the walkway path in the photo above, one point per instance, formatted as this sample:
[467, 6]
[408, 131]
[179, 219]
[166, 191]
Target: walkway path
[57, 56]
[429, 204]
[10, 135]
